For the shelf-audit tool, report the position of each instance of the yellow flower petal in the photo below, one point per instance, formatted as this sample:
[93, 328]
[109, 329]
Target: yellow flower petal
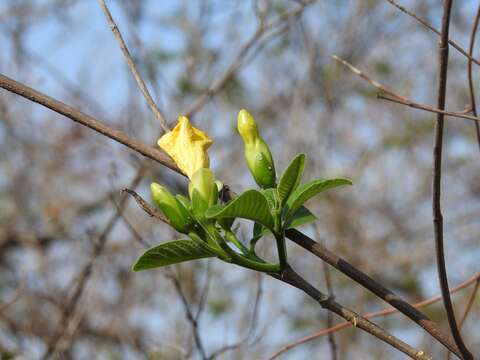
[187, 146]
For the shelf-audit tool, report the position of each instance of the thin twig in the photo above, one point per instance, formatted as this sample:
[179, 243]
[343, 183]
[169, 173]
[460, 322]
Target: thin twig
[468, 308]
[133, 68]
[426, 24]
[457, 114]
[437, 181]
[385, 312]
[149, 209]
[469, 73]
[400, 99]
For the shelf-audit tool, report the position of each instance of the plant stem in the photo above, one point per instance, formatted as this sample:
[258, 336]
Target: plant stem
[237, 258]
[282, 250]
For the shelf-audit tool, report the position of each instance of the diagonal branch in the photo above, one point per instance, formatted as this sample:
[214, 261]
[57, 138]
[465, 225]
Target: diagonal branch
[86, 120]
[370, 284]
[437, 179]
[133, 68]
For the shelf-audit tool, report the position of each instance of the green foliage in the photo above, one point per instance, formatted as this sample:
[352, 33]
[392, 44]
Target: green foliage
[251, 205]
[274, 209]
[301, 217]
[172, 252]
[291, 178]
[305, 192]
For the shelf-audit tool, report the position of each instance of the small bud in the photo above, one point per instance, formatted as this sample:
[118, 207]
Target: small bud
[173, 209]
[203, 180]
[257, 153]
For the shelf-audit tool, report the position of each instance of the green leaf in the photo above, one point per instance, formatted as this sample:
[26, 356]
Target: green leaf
[199, 205]
[250, 205]
[301, 217]
[271, 196]
[291, 178]
[184, 201]
[172, 252]
[309, 190]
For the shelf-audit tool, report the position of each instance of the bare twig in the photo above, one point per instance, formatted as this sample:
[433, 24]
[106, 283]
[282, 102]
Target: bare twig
[475, 278]
[436, 185]
[400, 99]
[468, 307]
[469, 73]
[149, 209]
[426, 24]
[133, 68]
[409, 103]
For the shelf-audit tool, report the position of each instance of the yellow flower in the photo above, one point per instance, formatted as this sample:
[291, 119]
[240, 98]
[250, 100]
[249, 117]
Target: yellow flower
[187, 146]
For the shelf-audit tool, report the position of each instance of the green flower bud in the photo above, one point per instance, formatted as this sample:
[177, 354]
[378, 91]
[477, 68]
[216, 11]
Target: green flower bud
[203, 180]
[257, 153]
[174, 211]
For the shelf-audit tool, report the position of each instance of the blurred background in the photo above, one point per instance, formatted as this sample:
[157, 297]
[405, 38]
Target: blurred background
[66, 286]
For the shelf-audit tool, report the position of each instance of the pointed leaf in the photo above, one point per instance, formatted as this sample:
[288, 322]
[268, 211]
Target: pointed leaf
[184, 201]
[291, 178]
[270, 195]
[309, 190]
[301, 217]
[250, 205]
[199, 205]
[172, 252]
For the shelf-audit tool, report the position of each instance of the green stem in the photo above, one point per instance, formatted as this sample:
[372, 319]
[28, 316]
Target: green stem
[282, 250]
[237, 258]
[280, 238]
[211, 245]
[230, 236]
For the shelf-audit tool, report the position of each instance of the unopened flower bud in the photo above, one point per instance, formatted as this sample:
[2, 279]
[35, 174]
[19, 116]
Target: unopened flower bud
[173, 209]
[203, 180]
[257, 153]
